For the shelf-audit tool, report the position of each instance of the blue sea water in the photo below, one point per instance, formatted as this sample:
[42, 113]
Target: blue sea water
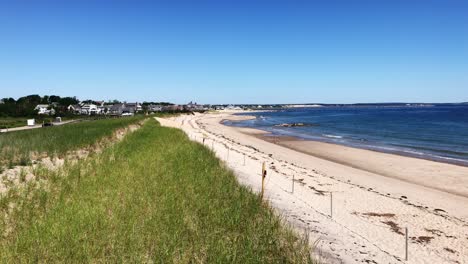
[437, 132]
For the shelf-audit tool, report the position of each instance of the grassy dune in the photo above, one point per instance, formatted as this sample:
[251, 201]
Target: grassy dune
[10, 122]
[154, 197]
[17, 148]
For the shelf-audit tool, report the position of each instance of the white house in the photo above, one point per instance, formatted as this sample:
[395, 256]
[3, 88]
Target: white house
[155, 108]
[43, 109]
[233, 108]
[74, 108]
[90, 109]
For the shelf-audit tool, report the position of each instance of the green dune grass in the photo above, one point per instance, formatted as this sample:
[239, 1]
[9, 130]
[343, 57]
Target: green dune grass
[154, 197]
[17, 148]
[11, 122]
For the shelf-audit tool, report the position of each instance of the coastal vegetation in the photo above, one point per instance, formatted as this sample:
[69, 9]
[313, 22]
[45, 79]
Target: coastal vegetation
[25, 106]
[21, 147]
[155, 196]
[11, 122]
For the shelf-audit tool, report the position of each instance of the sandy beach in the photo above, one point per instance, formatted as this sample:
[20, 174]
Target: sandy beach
[354, 204]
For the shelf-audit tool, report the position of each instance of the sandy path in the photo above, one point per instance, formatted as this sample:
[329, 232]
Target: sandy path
[370, 211]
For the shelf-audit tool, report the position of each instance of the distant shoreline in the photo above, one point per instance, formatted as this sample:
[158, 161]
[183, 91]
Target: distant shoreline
[374, 161]
[280, 139]
[266, 135]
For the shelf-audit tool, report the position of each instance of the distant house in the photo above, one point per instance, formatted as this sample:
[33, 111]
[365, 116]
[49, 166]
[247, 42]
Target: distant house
[104, 109]
[219, 107]
[90, 109]
[1, 101]
[116, 109]
[172, 108]
[194, 107]
[74, 108]
[43, 109]
[155, 108]
[133, 108]
[233, 108]
[128, 110]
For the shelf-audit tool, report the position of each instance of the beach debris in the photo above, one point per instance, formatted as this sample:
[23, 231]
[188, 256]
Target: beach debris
[438, 233]
[434, 231]
[388, 215]
[317, 191]
[449, 250]
[394, 227]
[422, 239]
[253, 148]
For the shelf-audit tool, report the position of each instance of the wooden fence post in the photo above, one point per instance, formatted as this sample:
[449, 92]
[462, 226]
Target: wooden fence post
[292, 191]
[264, 173]
[406, 243]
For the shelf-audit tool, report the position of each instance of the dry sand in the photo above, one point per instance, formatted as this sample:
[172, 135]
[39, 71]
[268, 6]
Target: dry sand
[375, 195]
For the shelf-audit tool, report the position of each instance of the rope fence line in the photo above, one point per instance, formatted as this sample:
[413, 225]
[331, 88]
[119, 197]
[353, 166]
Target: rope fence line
[329, 215]
[341, 225]
[242, 152]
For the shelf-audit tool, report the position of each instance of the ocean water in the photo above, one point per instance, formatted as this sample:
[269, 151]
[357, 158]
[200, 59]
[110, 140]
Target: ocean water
[437, 132]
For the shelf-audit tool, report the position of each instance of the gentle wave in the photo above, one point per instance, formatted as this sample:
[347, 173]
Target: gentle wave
[434, 150]
[416, 154]
[331, 136]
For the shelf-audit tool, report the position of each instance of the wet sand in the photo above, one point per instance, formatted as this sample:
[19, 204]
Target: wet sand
[438, 175]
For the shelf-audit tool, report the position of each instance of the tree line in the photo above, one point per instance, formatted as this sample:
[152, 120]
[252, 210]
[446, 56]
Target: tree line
[24, 106]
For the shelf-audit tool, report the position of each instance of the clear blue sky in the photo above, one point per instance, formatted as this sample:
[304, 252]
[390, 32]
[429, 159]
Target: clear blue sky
[236, 51]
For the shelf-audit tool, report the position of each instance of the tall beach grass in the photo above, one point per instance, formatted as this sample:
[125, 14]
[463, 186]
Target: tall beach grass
[18, 148]
[154, 197]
